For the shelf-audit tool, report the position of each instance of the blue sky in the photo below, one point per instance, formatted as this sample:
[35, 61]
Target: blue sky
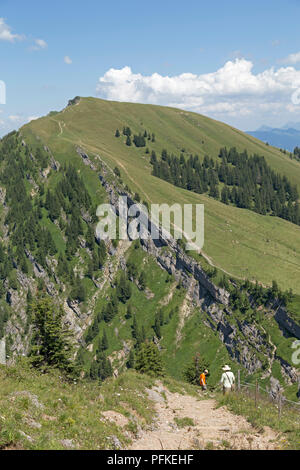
[242, 58]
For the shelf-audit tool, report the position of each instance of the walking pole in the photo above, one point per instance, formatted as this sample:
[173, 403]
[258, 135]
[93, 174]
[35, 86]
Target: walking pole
[239, 380]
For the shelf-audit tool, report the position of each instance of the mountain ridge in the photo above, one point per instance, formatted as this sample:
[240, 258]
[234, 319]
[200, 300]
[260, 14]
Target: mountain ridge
[116, 296]
[135, 168]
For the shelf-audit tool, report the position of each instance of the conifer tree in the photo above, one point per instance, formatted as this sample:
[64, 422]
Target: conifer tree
[104, 342]
[51, 341]
[149, 361]
[142, 281]
[131, 360]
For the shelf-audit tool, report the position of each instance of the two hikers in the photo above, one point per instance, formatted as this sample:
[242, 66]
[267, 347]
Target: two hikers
[227, 380]
[202, 379]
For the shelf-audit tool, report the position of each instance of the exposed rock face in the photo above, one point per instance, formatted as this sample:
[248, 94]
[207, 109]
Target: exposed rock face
[39, 271]
[274, 387]
[287, 323]
[2, 195]
[183, 269]
[85, 158]
[245, 342]
[74, 101]
[174, 260]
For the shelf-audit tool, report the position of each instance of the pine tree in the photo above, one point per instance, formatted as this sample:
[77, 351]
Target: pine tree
[149, 361]
[109, 312]
[94, 370]
[123, 288]
[129, 312]
[90, 238]
[131, 360]
[135, 328]
[104, 342]
[157, 325]
[51, 342]
[142, 281]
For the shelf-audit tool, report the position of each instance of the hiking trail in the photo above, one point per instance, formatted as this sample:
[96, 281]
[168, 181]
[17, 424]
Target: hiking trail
[212, 428]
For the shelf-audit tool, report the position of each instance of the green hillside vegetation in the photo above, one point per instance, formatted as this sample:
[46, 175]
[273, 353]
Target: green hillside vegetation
[130, 314]
[71, 415]
[239, 241]
[75, 415]
[135, 321]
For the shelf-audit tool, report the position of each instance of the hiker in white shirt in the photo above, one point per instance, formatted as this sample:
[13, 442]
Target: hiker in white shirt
[227, 379]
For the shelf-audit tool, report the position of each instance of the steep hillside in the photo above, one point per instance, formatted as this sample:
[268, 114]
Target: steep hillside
[119, 295]
[241, 242]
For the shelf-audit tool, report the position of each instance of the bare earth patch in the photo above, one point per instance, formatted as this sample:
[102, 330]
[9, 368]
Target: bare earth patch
[213, 427]
[114, 417]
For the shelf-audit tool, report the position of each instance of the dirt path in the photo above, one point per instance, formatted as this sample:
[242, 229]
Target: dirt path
[214, 428]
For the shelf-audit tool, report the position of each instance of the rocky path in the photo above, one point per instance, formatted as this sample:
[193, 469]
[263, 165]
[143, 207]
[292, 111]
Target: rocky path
[208, 427]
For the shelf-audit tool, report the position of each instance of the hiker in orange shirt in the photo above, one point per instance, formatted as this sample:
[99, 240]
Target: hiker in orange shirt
[203, 379]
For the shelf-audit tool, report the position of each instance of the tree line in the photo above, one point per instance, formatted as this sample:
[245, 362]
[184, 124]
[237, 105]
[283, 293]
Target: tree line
[236, 178]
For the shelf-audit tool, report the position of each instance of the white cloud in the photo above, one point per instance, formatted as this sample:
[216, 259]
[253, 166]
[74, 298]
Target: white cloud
[292, 59]
[39, 44]
[232, 90]
[6, 34]
[67, 60]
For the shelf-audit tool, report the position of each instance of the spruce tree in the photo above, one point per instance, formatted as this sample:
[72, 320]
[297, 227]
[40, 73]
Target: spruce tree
[51, 341]
[104, 342]
[142, 281]
[131, 360]
[149, 361]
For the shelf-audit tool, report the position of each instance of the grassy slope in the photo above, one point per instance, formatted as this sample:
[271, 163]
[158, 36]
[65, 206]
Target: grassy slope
[73, 415]
[266, 414]
[241, 242]
[71, 412]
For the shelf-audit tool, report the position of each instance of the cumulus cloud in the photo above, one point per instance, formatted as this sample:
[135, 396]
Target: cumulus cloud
[233, 90]
[67, 60]
[6, 34]
[292, 59]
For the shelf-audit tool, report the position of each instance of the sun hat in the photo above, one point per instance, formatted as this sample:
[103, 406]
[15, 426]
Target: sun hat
[226, 368]
[206, 371]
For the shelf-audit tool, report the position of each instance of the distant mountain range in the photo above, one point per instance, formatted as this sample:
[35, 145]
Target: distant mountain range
[286, 137]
